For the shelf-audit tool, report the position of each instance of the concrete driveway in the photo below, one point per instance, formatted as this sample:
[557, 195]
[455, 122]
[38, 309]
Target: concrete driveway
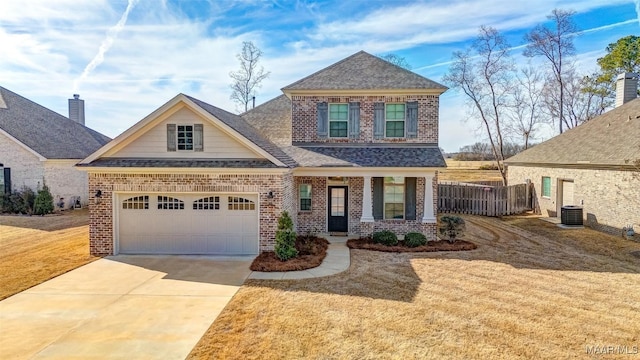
[122, 307]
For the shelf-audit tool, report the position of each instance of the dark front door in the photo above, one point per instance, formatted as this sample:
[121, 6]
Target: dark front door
[338, 209]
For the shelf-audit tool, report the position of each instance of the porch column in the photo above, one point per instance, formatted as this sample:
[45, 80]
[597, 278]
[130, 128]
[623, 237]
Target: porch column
[428, 215]
[367, 204]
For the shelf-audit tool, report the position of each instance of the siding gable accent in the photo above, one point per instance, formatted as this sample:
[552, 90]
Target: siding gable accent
[378, 120]
[198, 137]
[410, 198]
[322, 115]
[378, 198]
[354, 120]
[412, 119]
[171, 137]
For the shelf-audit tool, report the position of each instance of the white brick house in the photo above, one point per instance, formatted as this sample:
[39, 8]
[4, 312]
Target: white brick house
[352, 148]
[39, 145]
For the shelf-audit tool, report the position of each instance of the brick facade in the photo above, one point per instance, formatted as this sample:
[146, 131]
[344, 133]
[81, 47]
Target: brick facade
[304, 122]
[611, 199]
[101, 209]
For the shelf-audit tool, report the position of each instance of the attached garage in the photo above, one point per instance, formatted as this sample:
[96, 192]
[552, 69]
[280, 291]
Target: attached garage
[178, 223]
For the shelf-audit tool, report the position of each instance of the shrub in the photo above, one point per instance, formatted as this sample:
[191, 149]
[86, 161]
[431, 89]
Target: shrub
[451, 227]
[385, 237]
[415, 239]
[18, 202]
[285, 247]
[44, 201]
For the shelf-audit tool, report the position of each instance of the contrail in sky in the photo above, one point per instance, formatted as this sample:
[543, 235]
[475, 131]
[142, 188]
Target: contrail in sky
[638, 10]
[112, 33]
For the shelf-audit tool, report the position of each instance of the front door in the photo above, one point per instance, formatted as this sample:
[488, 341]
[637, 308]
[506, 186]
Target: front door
[338, 209]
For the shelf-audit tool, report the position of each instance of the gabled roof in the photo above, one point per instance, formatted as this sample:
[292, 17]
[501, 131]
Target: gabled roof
[363, 71]
[44, 131]
[607, 140]
[367, 155]
[272, 119]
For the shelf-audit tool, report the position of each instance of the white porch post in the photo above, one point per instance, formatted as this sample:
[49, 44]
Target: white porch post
[428, 213]
[367, 204]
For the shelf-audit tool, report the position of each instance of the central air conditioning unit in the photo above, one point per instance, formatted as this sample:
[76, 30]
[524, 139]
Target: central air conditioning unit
[571, 215]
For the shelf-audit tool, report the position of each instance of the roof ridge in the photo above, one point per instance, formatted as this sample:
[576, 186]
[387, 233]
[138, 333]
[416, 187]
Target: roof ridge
[327, 68]
[263, 104]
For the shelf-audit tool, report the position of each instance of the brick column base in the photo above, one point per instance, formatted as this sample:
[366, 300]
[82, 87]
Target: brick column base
[366, 228]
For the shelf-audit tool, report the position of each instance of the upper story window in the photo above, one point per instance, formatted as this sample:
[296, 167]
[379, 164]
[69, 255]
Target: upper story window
[394, 120]
[185, 137]
[338, 120]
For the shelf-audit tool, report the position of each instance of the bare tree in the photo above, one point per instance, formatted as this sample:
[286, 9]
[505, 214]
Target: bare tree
[556, 45]
[485, 74]
[527, 114]
[397, 60]
[248, 78]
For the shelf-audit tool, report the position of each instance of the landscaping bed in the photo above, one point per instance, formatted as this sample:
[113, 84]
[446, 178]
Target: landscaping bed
[311, 251]
[367, 243]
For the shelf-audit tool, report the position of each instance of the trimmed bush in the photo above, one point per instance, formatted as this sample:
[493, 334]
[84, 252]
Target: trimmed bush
[285, 247]
[18, 202]
[415, 239]
[451, 227]
[44, 201]
[385, 237]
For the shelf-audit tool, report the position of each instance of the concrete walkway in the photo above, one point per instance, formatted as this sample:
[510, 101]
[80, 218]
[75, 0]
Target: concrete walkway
[338, 260]
[122, 307]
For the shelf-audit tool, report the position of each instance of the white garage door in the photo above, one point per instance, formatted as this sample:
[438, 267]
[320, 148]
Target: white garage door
[226, 224]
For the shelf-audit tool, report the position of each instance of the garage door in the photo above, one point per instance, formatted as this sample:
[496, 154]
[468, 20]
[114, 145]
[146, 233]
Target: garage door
[225, 224]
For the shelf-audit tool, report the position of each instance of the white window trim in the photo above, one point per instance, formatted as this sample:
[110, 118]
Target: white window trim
[329, 121]
[384, 202]
[178, 137]
[300, 198]
[404, 134]
[542, 188]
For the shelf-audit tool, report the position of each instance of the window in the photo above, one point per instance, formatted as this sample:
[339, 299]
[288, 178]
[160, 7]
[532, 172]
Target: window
[338, 120]
[138, 203]
[546, 186]
[185, 137]
[305, 197]
[208, 203]
[170, 203]
[394, 197]
[394, 120]
[238, 203]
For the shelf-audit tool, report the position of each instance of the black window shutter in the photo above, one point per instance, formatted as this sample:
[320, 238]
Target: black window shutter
[171, 137]
[354, 120]
[378, 198]
[323, 119]
[410, 198]
[198, 137]
[7, 180]
[412, 119]
[378, 120]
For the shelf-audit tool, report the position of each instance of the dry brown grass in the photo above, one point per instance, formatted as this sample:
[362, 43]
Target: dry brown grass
[518, 295]
[34, 249]
[467, 171]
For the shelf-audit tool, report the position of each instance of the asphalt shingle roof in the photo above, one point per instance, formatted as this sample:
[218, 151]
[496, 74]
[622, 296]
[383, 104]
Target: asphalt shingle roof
[367, 156]
[608, 139]
[181, 163]
[362, 71]
[45, 131]
[272, 119]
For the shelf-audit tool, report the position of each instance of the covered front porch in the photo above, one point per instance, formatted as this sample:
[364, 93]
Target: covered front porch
[358, 202]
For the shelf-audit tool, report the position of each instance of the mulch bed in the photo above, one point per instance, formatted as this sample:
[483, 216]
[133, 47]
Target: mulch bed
[311, 252]
[441, 245]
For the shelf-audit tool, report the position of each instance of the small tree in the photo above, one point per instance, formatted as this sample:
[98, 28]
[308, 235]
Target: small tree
[452, 227]
[397, 60]
[285, 247]
[44, 201]
[248, 78]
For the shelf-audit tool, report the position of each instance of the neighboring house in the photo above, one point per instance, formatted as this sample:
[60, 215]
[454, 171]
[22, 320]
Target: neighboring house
[589, 165]
[350, 149]
[39, 146]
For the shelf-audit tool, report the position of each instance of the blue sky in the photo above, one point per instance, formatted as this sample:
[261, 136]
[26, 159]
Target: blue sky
[126, 57]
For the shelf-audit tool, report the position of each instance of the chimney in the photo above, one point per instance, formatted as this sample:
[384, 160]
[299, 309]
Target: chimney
[626, 88]
[76, 109]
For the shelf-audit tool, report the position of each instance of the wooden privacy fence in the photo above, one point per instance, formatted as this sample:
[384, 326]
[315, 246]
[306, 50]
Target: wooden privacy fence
[484, 200]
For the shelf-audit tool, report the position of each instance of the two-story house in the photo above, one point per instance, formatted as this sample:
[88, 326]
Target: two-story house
[350, 149]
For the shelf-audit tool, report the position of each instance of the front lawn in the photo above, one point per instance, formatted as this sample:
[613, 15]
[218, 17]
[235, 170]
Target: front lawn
[518, 295]
[34, 249]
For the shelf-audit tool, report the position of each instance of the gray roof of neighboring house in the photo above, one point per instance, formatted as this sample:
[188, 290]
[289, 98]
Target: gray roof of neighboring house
[45, 131]
[272, 119]
[181, 163]
[241, 126]
[362, 71]
[608, 140]
[371, 155]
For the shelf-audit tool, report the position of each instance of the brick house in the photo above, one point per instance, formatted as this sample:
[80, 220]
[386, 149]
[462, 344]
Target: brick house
[590, 166]
[352, 148]
[38, 145]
